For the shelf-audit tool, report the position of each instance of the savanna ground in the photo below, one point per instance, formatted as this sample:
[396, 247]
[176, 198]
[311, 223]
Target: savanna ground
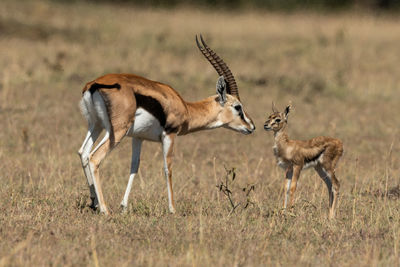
[340, 71]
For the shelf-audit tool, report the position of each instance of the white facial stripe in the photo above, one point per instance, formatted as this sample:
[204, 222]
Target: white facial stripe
[215, 124]
[246, 119]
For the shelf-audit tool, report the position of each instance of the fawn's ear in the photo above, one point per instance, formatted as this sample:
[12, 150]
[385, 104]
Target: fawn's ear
[221, 90]
[273, 107]
[287, 110]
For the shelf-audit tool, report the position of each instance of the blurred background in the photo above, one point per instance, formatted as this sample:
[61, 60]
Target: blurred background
[283, 5]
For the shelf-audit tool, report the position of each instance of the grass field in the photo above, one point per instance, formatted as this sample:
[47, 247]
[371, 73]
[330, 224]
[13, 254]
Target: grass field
[341, 73]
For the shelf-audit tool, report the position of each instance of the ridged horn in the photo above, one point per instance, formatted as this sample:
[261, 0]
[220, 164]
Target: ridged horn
[209, 58]
[220, 66]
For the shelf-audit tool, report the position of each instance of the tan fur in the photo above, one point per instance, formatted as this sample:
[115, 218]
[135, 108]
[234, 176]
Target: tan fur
[183, 117]
[120, 91]
[167, 115]
[321, 152]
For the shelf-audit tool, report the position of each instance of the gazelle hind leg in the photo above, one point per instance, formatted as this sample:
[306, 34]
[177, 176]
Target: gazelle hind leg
[136, 148]
[84, 152]
[336, 187]
[95, 128]
[115, 131]
[101, 113]
[335, 182]
[97, 156]
[327, 179]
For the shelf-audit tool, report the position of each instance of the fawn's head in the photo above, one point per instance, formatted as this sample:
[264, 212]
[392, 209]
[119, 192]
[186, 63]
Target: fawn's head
[277, 120]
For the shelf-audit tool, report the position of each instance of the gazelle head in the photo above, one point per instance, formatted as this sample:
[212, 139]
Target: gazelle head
[277, 120]
[231, 113]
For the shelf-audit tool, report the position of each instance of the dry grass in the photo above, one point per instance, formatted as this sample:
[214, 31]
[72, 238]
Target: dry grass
[340, 71]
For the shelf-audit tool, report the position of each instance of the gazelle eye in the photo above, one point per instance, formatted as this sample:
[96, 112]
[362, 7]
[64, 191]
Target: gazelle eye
[278, 120]
[238, 107]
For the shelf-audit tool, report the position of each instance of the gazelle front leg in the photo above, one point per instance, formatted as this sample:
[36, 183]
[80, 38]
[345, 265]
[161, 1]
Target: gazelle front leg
[296, 174]
[136, 148]
[288, 182]
[168, 145]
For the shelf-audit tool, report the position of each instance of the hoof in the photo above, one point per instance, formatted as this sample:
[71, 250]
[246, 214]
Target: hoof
[124, 209]
[172, 210]
[94, 205]
[105, 212]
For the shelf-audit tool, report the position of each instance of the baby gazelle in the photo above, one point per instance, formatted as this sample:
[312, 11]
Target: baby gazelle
[321, 152]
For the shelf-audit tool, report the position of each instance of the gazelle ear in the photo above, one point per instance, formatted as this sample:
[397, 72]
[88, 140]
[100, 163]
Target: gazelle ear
[287, 110]
[273, 107]
[221, 90]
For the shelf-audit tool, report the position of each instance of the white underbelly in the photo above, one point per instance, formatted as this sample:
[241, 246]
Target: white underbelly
[314, 163]
[145, 126]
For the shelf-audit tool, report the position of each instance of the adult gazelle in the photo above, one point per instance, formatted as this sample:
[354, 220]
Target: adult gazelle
[130, 105]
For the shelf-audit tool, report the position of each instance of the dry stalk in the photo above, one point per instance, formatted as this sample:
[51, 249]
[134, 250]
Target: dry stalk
[226, 185]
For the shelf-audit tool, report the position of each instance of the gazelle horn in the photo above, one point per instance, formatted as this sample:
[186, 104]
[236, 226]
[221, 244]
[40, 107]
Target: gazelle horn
[220, 66]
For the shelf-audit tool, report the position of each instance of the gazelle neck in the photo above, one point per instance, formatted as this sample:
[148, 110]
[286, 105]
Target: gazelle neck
[281, 137]
[203, 114]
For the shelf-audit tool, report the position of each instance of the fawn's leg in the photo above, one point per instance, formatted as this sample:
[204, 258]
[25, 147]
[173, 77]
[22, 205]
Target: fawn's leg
[288, 182]
[335, 189]
[327, 179]
[295, 178]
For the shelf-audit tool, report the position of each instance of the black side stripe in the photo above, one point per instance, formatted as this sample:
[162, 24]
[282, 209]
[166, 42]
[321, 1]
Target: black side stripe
[308, 160]
[152, 106]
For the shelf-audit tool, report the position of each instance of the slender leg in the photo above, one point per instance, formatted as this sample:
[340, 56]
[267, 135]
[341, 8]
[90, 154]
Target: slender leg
[116, 121]
[95, 159]
[136, 147]
[84, 152]
[288, 182]
[327, 179]
[336, 186]
[168, 145]
[295, 178]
